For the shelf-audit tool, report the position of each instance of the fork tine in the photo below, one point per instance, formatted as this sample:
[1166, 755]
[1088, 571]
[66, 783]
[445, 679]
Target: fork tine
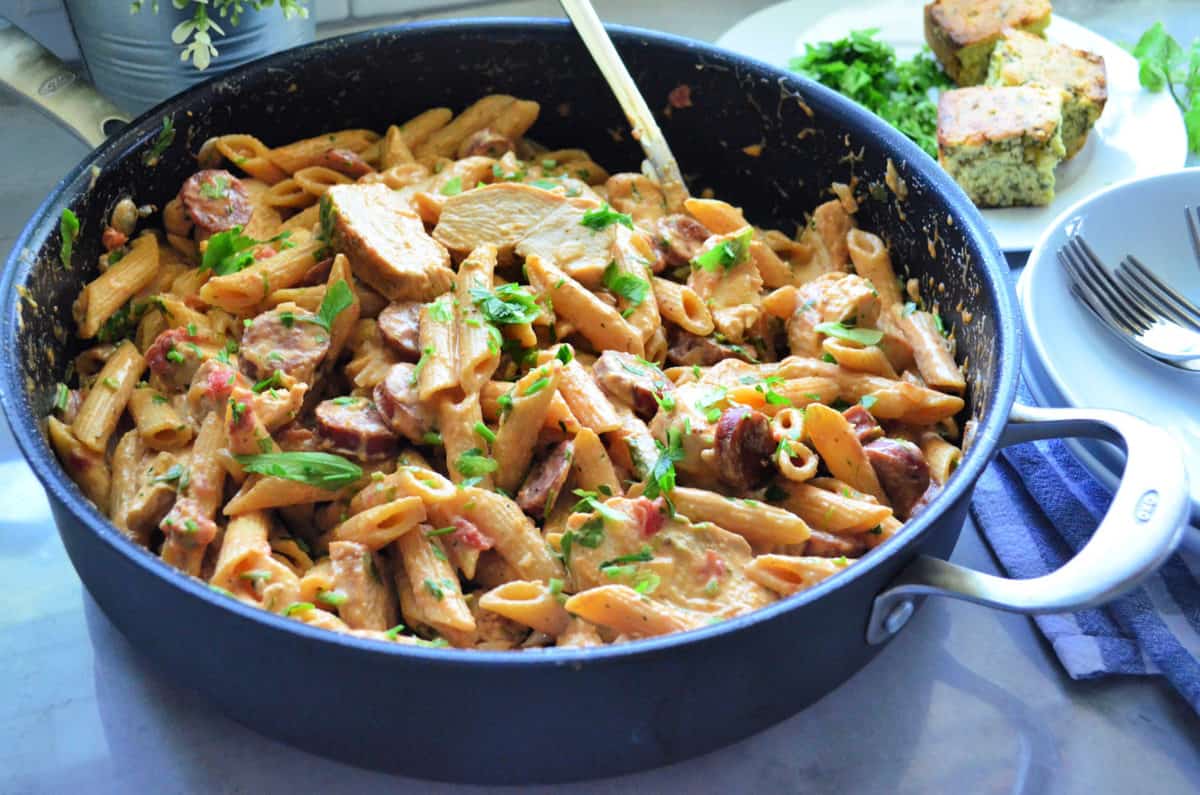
[1193, 219]
[1151, 299]
[1099, 279]
[1188, 312]
[1093, 299]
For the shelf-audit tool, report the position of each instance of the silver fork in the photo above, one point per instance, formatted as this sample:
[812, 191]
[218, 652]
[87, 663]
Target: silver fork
[1193, 220]
[1135, 322]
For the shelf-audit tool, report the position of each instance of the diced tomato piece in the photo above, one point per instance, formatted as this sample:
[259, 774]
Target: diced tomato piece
[714, 565]
[469, 535]
[650, 515]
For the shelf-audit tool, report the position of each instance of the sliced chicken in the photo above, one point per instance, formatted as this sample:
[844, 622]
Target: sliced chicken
[637, 196]
[501, 214]
[387, 244]
[562, 239]
[733, 292]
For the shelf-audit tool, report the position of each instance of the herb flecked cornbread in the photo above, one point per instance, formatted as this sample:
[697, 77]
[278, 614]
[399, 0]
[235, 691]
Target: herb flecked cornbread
[1002, 144]
[1022, 58]
[962, 32]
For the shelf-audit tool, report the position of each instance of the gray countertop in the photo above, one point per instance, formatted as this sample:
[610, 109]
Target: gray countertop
[965, 700]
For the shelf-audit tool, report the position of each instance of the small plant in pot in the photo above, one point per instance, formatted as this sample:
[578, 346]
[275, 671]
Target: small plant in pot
[139, 52]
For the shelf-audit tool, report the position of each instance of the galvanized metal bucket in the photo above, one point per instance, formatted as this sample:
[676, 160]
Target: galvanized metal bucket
[133, 61]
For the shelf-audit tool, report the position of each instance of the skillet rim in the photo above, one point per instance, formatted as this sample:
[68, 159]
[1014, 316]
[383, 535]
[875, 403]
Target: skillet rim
[26, 426]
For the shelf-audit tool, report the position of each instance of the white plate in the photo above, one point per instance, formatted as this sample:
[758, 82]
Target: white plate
[1071, 359]
[1139, 134]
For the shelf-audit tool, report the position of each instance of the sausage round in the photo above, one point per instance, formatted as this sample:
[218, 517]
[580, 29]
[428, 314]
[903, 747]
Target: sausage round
[637, 383]
[744, 444]
[397, 401]
[545, 481]
[680, 237]
[400, 326]
[352, 425]
[486, 142]
[215, 200]
[902, 472]
[345, 161]
[688, 349]
[289, 340]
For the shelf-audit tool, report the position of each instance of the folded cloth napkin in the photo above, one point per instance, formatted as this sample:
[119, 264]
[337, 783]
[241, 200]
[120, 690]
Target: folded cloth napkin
[1037, 506]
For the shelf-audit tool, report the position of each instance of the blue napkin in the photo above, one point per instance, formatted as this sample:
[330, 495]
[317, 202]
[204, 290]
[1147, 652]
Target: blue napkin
[1036, 506]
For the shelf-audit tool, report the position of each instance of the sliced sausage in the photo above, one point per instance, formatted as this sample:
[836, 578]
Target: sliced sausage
[633, 381]
[902, 472]
[929, 496]
[545, 481]
[865, 426]
[294, 438]
[487, 143]
[215, 200]
[289, 340]
[827, 545]
[744, 444]
[400, 326]
[680, 237]
[344, 161]
[397, 401]
[687, 349]
[175, 356]
[352, 426]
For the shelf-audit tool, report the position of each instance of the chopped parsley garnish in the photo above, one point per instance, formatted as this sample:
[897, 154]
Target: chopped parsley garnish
[939, 325]
[255, 575]
[441, 311]
[216, 189]
[868, 401]
[332, 598]
[505, 403]
[641, 556]
[337, 298]
[62, 396]
[646, 582]
[435, 589]
[272, 381]
[238, 410]
[828, 357]
[536, 386]
[867, 71]
[590, 503]
[486, 433]
[473, 463]
[166, 137]
[441, 531]
[727, 254]
[229, 251]
[111, 383]
[426, 352]
[345, 400]
[394, 632]
[508, 304]
[325, 235]
[68, 230]
[626, 285]
[452, 187]
[175, 474]
[298, 607]
[603, 217]
[432, 438]
[909, 308]
[323, 470]
[863, 336]
[563, 354]
[662, 474]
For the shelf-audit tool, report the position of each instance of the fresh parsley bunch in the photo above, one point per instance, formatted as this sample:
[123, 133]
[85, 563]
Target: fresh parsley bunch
[197, 32]
[1163, 63]
[867, 71]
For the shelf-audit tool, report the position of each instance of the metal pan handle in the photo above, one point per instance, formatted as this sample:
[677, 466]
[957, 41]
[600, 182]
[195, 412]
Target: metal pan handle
[1144, 525]
[34, 72]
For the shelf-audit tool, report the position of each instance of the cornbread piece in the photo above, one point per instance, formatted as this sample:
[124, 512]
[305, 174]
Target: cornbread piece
[1002, 144]
[961, 33]
[1021, 58]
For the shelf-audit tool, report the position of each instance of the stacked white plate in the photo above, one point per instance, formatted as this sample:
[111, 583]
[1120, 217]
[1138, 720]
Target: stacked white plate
[1071, 359]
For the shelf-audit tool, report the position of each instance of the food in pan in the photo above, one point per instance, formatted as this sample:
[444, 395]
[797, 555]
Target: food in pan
[1002, 145]
[962, 32]
[1024, 59]
[444, 386]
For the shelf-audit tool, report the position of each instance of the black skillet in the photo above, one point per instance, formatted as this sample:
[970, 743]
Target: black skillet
[558, 715]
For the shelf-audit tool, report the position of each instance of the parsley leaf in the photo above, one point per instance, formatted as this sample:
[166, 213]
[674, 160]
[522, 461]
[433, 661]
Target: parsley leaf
[626, 285]
[508, 304]
[641, 556]
[228, 252]
[323, 470]
[867, 71]
[603, 217]
[337, 298]
[863, 336]
[474, 463]
[68, 229]
[727, 254]
[662, 474]
[452, 187]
